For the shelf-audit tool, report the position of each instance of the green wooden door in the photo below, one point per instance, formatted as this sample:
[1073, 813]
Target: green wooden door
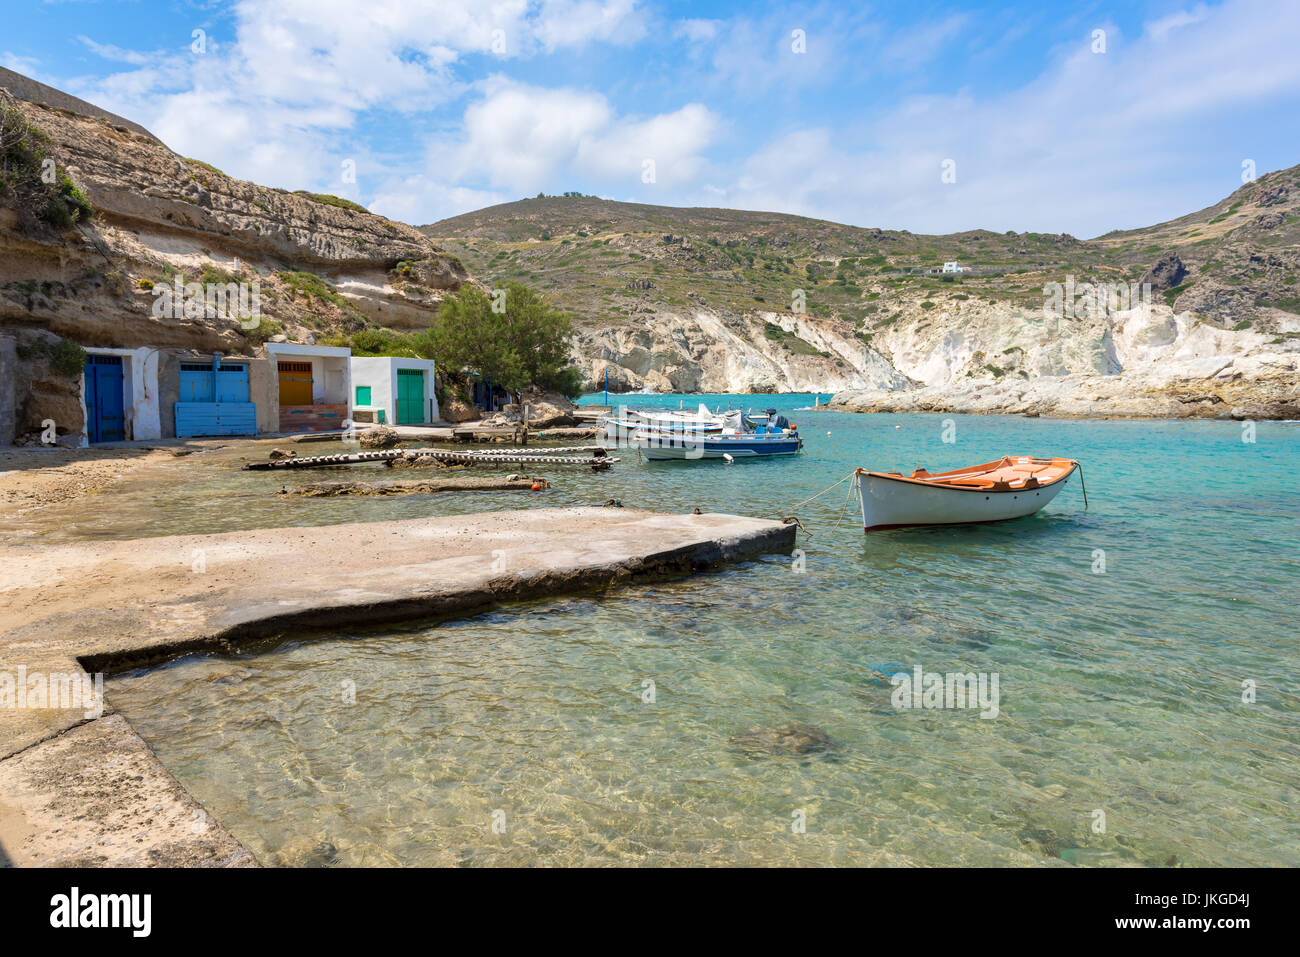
[410, 396]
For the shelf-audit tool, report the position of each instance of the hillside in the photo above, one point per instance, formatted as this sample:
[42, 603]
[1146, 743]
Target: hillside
[701, 299]
[324, 267]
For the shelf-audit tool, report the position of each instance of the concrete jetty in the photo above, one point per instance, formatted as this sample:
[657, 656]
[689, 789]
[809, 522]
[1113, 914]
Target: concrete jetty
[81, 788]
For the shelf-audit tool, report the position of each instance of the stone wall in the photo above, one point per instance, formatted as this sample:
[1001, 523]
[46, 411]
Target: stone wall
[8, 390]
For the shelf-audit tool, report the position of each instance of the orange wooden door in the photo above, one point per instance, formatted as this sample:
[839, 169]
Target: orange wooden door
[295, 383]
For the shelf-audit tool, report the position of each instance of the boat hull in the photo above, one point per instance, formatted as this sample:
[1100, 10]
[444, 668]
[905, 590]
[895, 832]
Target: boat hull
[668, 447]
[889, 502]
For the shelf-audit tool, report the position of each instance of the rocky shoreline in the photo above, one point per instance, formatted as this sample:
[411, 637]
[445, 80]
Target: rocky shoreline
[1255, 388]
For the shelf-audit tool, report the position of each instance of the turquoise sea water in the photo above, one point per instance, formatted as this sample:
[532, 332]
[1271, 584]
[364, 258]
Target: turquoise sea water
[1121, 636]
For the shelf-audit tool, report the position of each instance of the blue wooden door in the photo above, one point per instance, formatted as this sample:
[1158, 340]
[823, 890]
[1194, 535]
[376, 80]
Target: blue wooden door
[214, 400]
[232, 383]
[197, 382]
[105, 406]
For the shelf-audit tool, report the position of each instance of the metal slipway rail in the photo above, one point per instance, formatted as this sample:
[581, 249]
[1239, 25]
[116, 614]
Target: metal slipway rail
[597, 458]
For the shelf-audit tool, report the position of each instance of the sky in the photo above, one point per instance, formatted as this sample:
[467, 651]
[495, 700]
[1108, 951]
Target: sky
[1040, 116]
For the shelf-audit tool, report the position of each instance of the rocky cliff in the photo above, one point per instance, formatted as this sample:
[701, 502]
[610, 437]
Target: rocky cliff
[322, 266]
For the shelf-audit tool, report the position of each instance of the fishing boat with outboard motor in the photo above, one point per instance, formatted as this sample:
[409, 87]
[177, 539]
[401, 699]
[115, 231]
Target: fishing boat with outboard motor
[738, 439]
[1011, 487]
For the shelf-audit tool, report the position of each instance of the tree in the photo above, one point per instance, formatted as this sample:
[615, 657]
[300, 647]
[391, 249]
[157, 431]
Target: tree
[522, 342]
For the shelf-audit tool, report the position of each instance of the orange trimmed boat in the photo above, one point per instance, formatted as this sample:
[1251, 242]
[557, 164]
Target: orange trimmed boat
[1012, 487]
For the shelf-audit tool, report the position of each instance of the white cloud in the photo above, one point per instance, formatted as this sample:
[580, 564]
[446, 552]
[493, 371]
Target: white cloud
[1097, 142]
[517, 140]
[1160, 29]
[421, 199]
[25, 65]
[697, 30]
[921, 44]
[109, 52]
[568, 23]
[280, 104]
[1094, 142]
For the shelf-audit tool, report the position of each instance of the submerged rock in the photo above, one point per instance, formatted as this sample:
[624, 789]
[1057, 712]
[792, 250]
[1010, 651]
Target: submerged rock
[324, 854]
[1043, 840]
[413, 460]
[794, 738]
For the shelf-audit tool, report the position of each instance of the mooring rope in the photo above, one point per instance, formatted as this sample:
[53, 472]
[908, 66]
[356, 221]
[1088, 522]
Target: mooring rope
[853, 486]
[785, 515]
[823, 491]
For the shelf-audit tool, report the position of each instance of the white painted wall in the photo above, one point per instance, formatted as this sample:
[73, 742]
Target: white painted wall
[331, 371]
[140, 393]
[380, 373]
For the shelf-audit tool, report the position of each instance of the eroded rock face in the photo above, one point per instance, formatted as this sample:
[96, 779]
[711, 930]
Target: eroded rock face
[1167, 273]
[53, 398]
[158, 214]
[34, 394]
[1250, 387]
[704, 351]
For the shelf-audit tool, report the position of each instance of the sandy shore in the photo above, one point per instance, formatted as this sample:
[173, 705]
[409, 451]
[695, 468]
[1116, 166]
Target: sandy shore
[34, 477]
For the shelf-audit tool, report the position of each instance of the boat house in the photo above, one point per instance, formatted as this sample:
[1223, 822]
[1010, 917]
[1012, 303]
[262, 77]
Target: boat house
[395, 391]
[313, 386]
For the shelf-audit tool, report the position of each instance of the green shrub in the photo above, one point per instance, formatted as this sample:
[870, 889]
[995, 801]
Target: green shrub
[67, 358]
[40, 199]
[309, 284]
[213, 275]
[1171, 295]
[265, 330]
[206, 166]
[526, 344]
[330, 200]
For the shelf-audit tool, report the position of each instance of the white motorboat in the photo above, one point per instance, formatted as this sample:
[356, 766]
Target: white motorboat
[737, 439]
[622, 424]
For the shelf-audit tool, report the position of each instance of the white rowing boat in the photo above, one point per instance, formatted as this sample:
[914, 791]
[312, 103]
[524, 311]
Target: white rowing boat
[1011, 487]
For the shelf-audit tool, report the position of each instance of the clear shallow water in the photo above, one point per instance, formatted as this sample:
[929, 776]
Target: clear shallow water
[1120, 692]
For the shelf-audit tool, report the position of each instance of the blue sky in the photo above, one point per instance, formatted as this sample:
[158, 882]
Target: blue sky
[1077, 118]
